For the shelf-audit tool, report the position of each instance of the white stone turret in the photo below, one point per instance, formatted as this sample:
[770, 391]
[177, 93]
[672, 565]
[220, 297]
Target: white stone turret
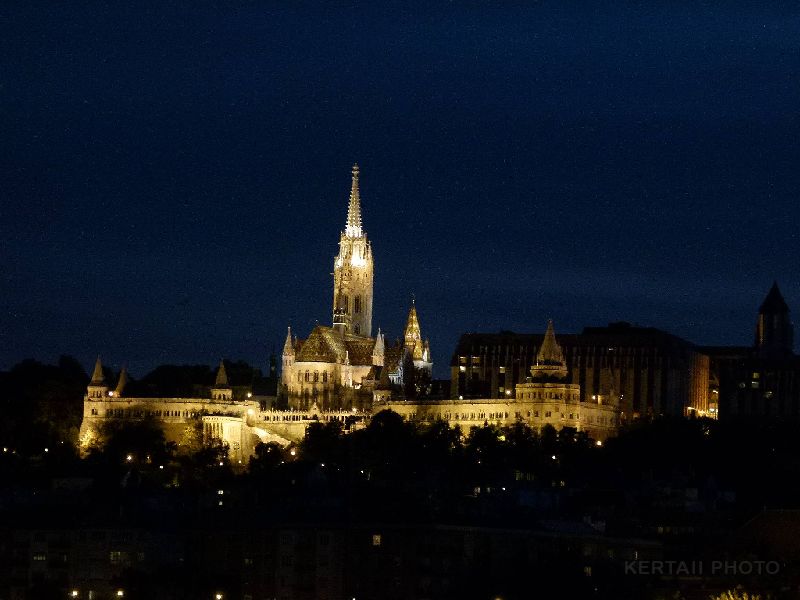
[379, 350]
[221, 389]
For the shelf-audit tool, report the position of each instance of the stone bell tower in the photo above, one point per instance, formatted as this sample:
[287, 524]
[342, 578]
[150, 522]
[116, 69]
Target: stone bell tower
[352, 272]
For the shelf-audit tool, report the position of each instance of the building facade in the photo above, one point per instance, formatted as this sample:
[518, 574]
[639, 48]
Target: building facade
[644, 371]
[339, 367]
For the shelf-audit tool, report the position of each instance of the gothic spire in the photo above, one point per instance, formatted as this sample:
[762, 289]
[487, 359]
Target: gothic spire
[413, 333]
[379, 349]
[353, 227]
[97, 375]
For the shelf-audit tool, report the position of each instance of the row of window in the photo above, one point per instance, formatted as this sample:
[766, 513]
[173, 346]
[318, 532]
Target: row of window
[135, 413]
[314, 377]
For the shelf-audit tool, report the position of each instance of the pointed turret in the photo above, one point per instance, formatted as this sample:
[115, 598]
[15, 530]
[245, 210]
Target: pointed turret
[774, 329]
[97, 387]
[288, 345]
[222, 376]
[222, 391]
[353, 225]
[97, 375]
[550, 361]
[379, 350]
[121, 382]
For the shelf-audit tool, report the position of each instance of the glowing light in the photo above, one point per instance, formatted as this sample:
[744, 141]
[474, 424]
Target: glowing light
[129, 458]
[598, 443]
[110, 394]
[250, 395]
[74, 594]
[47, 449]
[220, 463]
[553, 457]
[160, 466]
[120, 593]
[293, 452]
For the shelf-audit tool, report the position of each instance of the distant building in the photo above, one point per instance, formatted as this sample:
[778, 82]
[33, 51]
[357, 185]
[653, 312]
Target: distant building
[642, 370]
[546, 397]
[762, 380]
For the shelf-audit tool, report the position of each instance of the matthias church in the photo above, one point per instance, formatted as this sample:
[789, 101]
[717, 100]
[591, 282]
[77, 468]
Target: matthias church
[342, 366]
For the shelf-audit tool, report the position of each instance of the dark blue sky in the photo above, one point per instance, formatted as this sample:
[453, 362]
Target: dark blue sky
[173, 181]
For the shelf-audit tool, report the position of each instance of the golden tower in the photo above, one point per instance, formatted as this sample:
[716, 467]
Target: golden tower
[352, 272]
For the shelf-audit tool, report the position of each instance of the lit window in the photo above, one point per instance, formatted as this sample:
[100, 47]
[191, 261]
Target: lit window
[40, 557]
[376, 539]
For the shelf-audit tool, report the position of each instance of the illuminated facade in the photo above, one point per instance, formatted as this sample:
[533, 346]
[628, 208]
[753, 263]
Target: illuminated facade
[546, 397]
[339, 367]
[642, 370]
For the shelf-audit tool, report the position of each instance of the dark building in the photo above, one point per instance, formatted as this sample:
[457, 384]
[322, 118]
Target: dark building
[645, 370]
[762, 380]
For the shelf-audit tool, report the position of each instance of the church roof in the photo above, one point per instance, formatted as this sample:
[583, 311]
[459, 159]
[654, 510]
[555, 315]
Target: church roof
[413, 333]
[325, 344]
[774, 302]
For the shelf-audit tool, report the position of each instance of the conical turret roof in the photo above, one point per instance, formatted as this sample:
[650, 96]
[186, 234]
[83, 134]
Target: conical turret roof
[121, 382]
[222, 376]
[774, 302]
[288, 345]
[550, 352]
[550, 361]
[97, 375]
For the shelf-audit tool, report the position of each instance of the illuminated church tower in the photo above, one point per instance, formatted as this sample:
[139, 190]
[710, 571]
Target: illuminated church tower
[352, 273]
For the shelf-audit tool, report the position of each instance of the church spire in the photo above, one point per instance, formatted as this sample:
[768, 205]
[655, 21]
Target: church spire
[353, 227]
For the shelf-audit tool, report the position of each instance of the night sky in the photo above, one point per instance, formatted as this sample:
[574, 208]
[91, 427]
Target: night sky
[173, 181]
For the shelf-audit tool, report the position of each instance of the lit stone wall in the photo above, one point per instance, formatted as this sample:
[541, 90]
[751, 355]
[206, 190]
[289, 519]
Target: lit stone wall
[599, 421]
[174, 414]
